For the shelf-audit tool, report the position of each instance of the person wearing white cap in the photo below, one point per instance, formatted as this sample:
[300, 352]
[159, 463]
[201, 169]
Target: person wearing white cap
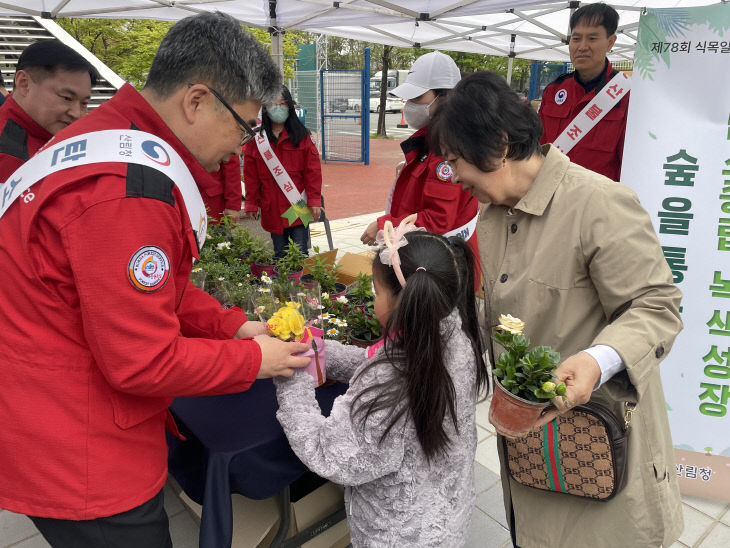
[423, 186]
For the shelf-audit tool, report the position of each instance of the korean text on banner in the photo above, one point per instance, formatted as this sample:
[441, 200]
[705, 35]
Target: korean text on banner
[677, 159]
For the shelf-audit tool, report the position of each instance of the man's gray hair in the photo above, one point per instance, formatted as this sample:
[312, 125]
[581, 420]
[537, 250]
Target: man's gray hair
[213, 49]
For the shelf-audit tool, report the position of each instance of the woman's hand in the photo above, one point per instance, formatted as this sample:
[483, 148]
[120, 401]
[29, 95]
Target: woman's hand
[234, 214]
[316, 212]
[250, 329]
[368, 237]
[580, 373]
[253, 215]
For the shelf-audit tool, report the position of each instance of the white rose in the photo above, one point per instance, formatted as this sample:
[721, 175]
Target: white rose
[509, 323]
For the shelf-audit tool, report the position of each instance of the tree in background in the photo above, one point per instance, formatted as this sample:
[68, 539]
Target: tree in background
[127, 46]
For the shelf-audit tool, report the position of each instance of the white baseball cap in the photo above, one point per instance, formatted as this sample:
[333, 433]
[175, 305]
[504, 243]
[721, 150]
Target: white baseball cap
[434, 70]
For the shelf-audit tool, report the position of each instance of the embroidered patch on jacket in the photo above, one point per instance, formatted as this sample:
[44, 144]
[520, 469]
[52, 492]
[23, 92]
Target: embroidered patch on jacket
[561, 96]
[149, 269]
[443, 171]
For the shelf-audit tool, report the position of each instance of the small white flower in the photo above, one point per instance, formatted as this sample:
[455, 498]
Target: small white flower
[324, 316]
[342, 299]
[264, 290]
[266, 279]
[332, 331]
[325, 295]
[208, 237]
[221, 278]
[333, 320]
[320, 307]
[342, 323]
[260, 308]
[224, 245]
[197, 269]
[239, 284]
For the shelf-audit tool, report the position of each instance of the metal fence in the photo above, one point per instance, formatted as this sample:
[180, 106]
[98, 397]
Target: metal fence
[345, 114]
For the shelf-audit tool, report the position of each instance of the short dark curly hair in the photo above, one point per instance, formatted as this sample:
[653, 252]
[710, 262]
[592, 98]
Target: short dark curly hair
[482, 119]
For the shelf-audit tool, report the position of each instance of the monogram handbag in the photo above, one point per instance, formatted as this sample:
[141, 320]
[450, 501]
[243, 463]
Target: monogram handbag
[582, 453]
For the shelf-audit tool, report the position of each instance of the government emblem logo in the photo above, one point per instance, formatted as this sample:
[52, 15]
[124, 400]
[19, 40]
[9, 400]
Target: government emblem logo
[149, 269]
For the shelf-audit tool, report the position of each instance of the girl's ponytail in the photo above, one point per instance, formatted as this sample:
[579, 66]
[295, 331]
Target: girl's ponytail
[439, 278]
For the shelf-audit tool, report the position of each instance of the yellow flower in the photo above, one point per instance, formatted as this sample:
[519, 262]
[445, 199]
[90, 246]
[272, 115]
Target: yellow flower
[296, 325]
[510, 324]
[287, 322]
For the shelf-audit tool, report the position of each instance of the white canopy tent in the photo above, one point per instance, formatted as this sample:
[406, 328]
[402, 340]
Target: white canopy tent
[531, 29]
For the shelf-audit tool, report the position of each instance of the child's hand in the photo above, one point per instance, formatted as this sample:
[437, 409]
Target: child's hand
[277, 359]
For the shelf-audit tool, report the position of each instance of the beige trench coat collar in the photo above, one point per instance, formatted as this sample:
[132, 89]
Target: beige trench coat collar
[546, 183]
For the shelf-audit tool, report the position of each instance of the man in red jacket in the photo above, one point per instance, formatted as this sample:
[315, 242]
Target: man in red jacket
[593, 33]
[51, 90]
[101, 325]
[223, 194]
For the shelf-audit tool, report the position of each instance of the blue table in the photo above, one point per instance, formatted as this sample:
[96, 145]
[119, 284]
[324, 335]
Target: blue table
[236, 445]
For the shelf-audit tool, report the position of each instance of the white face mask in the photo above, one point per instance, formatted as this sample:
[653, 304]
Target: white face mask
[417, 116]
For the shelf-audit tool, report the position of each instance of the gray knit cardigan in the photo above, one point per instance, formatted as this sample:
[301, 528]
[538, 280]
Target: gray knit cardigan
[393, 495]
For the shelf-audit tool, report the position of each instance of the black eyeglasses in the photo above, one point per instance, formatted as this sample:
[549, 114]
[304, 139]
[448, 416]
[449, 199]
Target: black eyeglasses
[248, 133]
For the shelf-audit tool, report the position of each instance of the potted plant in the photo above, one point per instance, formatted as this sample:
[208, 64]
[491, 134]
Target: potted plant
[326, 274]
[360, 292]
[262, 258]
[364, 329]
[291, 264]
[243, 243]
[525, 380]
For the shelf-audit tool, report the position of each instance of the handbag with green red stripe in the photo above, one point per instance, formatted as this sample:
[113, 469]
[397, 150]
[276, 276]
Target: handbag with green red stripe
[582, 452]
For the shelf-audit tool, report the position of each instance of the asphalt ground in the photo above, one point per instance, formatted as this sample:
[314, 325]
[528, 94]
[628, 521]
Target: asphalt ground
[351, 189]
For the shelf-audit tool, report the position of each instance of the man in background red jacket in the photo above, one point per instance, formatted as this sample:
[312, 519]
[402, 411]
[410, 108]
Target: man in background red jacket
[593, 33]
[223, 195]
[51, 90]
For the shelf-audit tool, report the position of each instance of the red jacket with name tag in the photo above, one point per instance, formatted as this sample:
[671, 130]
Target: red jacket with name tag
[601, 149]
[89, 359]
[262, 191]
[20, 137]
[424, 187]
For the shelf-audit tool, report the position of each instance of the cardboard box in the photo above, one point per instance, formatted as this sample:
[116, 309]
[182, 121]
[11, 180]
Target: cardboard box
[316, 506]
[255, 522]
[351, 264]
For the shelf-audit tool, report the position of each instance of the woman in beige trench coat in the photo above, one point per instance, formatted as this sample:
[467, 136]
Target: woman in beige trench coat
[575, 256]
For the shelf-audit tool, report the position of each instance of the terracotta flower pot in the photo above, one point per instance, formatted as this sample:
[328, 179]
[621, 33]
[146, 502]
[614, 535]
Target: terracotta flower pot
[513, 416]
[294, 276]
[363, 343]
[258, 269]
[340, 290]
[308, 281]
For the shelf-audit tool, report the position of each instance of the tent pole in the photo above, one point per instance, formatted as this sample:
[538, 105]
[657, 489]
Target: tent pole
[511, 59]
[277, 49]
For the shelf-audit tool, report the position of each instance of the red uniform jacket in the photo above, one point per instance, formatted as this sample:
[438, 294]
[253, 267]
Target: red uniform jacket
[225, 190]
[20, 137]
[600, 150]
[424, 186]
[302, 165]
[89, 363]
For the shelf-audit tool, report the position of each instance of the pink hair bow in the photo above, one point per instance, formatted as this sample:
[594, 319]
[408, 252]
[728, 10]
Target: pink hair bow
[393, 239]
